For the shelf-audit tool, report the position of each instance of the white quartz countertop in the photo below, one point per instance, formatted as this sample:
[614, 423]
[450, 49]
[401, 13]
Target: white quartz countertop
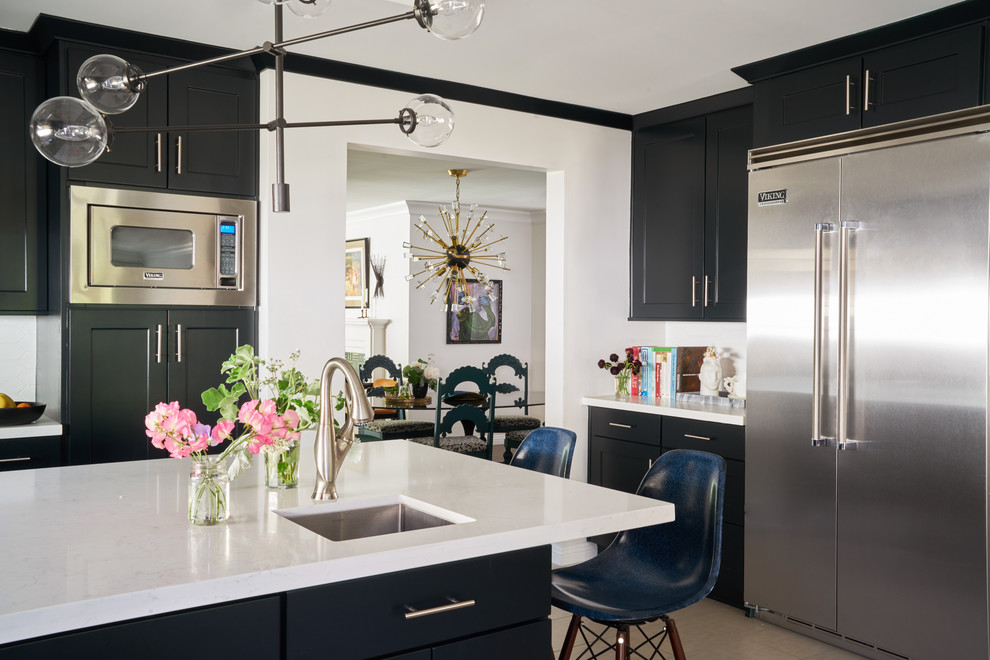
[93, 544]
[698, 411]
[42, 427]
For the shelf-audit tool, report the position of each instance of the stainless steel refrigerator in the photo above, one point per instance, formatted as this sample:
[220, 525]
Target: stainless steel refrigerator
[866, 423]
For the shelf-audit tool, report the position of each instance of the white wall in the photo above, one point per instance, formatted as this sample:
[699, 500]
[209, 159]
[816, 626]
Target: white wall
[18, 357]
[587, 231]
[387, 227]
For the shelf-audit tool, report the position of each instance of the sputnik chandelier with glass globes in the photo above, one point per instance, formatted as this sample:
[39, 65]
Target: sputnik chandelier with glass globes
[72, 132]
[458, 251]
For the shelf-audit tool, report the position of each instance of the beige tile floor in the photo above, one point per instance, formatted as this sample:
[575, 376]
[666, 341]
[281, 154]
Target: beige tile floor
[714, 631]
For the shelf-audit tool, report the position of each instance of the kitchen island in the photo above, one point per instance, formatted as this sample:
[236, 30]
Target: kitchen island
[91, 545]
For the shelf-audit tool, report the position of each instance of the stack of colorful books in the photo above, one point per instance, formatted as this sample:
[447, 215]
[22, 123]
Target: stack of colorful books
[667, 370]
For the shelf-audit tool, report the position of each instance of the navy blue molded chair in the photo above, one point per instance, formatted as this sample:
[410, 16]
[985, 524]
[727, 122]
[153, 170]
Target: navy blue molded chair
[548, 449]
[647, 573]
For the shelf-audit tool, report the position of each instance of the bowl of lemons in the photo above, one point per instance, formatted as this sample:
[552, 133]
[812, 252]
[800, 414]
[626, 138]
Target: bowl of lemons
[19, 412]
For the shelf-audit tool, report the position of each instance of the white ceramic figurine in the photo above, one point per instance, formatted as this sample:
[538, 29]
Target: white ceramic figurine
[710, 374]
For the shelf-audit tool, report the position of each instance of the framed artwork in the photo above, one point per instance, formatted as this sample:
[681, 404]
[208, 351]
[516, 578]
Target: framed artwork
[356, 271]
[475, 318]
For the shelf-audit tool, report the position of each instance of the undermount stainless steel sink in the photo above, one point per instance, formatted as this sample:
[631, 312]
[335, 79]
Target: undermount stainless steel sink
[371, 518]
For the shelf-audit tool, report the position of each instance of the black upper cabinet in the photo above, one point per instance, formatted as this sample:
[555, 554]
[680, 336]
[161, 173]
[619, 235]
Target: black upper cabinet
[921, 77]
[123, 361]
[214, 162]
[23, 269]
[688, 229]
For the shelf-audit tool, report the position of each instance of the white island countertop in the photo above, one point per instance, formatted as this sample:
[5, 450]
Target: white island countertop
[699, 411]
[94, 544]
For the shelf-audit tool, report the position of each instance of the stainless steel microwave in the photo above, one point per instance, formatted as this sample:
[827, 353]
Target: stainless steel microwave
[142, 248]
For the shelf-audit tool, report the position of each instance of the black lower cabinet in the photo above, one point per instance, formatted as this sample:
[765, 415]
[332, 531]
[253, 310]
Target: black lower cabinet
[729, 442]
[624, 446]
[622, 449]
[408, 614]
[235, 631]
[123, 361]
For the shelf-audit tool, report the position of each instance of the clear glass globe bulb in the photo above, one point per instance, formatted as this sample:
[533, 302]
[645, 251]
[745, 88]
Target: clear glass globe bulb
[434, 120]
[456, 19]
[69, 132]
[307, 8]
[103, 82]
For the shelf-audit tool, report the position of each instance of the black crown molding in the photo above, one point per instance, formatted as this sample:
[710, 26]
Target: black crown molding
[695, 108]
[946, 18]
[48, 29]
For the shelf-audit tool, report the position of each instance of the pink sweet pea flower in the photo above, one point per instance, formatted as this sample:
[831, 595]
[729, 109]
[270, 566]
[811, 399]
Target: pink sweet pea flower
[222, 431]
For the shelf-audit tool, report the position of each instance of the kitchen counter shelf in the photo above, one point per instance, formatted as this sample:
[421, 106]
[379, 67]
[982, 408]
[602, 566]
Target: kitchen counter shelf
[95, 544]
[697, 411]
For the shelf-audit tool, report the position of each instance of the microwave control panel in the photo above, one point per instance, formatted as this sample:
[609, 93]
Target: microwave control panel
[228, 252]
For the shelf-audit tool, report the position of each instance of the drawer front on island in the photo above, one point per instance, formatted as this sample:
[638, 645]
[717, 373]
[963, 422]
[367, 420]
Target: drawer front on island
[248, 629]
[424, 607]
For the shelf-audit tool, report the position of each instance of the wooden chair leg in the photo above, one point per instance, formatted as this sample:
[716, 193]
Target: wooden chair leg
[675, 639]
[572, 631]
[622, 643]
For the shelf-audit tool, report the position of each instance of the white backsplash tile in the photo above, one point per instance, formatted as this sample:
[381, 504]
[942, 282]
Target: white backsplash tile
[18, 357]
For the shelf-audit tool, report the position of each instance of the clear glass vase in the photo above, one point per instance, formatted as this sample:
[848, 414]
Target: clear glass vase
[209, 493]
[622, 384]
[282, 469]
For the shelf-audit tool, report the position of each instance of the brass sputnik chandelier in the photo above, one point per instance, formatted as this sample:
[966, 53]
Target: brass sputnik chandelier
[458, 252]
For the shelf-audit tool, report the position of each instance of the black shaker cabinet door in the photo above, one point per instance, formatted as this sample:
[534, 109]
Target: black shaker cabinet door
[213, 161]
[817, 101]
[139, 158]
[923, 77]
[117, 373]
[668, 208]
[23, 280]
[200, 341]
[730, 135]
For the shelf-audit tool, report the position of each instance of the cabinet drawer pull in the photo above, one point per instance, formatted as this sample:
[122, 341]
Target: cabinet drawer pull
[621, 426]
[19, 459]
[453, 605]
[697, 437]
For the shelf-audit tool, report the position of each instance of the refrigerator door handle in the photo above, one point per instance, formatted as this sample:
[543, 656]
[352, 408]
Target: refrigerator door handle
[817, 439]
[841, 428]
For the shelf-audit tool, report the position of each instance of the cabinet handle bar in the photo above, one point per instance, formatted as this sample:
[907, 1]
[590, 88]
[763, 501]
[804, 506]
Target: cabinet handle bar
[866, 91]
[457, 605]
[178, 160]
[178, 343]
[694, 299]
[697, 437]
[621, 426]
[706, 290]
[158, 153]
[848, 91]
[19, 459]
[158, 344]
